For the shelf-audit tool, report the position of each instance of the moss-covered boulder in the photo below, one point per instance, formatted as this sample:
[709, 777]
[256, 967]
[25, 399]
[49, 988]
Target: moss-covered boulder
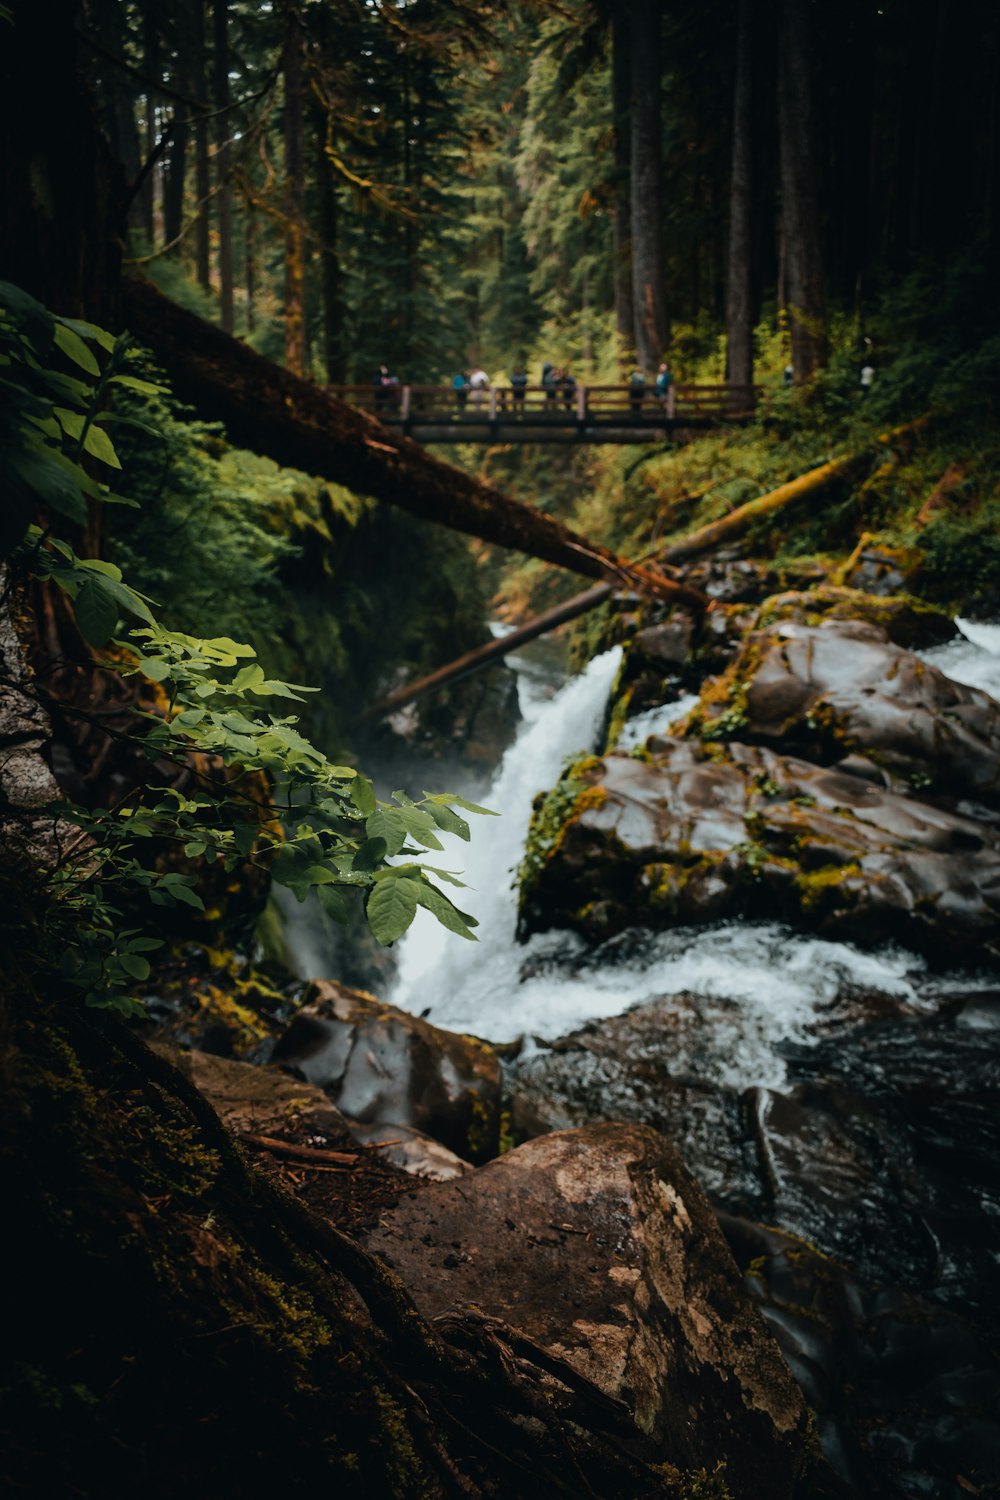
[842, 688]
[692, 832]
[382, 1066]
[908, 622]
[212, 1000]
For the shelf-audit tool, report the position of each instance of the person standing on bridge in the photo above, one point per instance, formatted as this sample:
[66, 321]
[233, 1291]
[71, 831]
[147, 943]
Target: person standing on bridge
[549, 382]
[636, 391]
[567, 382]
[665, 389]
[518, 384]
[460, 385]
[386, 388]
[479, 382]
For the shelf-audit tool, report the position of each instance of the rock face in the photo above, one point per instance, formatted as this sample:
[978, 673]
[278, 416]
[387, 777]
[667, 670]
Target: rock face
[265, 1101]
[599, 1246]
[843, 688]
[696, 833]
[907, 622]
[382, 1066]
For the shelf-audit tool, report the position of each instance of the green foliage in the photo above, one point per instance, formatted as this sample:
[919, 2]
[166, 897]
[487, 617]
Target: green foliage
[339, 836]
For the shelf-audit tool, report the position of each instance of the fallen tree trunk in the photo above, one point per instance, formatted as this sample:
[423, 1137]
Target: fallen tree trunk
[737, 521]
[482, 656]
[298, 424]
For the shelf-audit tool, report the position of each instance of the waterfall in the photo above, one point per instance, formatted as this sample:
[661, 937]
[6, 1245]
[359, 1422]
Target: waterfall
[757, 985]
[468, 985]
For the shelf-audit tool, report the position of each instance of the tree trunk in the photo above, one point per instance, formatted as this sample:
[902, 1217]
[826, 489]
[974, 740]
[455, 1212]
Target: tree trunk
[621, 91]
[223, 132]
[201, 175]
[249, 263]
[62, 221]
[295, 260]
[151, 66]
[739, 325]
[331, 281]
[173, 181]
[651, 327]
[298, 424]
[800, 197]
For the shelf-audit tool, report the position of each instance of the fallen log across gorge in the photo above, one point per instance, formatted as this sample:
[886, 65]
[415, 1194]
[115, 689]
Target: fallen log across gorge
[298, 424]
[727, 528]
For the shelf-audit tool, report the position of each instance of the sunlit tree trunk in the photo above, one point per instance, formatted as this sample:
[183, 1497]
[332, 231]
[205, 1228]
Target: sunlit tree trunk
[295, 270]
[804, 269]
[739, 316]
[651, 327]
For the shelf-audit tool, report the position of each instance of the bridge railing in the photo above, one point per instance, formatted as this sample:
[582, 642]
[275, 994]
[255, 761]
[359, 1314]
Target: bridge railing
[607, 405]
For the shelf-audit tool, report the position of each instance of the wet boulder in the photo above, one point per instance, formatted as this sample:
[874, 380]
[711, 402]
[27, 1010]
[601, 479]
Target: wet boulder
[691, 833]
[265, 1101]
[382, 1066]
[907, 622]
[843, 688]
[601, 1248]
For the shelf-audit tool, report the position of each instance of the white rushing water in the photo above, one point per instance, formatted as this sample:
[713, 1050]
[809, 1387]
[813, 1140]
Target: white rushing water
[460, 980]
[972, 658]
[754, 985]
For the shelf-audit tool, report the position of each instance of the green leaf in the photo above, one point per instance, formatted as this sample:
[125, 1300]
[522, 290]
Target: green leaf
[448, 875]
[441, 798]
[244, 838]
[448, 915]
[420, 826]
[96, 611]
[371, 853]
[187, 895]
[135, 965]
[392, 906]
[387, 823]
[158, 670]
[52, 482]
[449, 821]
[74, 348]
[133, 383]
[363, 795]
[333, 903]
[100, 446]
[91, 331]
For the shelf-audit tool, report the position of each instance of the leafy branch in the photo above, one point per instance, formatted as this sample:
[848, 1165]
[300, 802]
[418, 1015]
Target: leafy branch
[334, 836]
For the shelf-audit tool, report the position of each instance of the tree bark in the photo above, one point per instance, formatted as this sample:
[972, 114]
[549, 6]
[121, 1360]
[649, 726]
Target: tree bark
[295, 268]
[621, 92]
[201, 174]
[151, 66]
[800, 196]
[651, 326]
[739, 318]
[296, 423]
[331, 280]
[223, 131]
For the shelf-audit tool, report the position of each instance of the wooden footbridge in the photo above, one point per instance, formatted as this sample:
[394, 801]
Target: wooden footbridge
[550, 414]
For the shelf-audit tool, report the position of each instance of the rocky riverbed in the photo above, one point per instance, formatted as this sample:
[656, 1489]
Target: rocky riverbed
[764, 933]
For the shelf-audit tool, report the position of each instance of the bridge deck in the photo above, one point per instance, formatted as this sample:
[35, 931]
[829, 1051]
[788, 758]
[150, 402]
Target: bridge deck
[541, 414]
